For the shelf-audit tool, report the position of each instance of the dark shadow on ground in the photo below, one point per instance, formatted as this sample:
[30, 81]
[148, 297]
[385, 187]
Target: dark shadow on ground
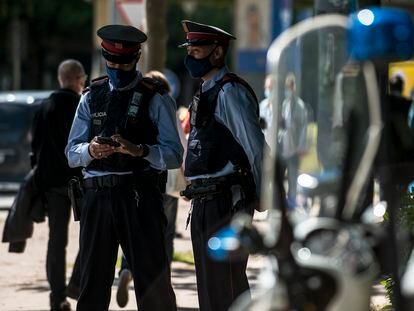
[187, 309]
[186, 286]
[31, 287]
[184, 238]
[182, 272]
[378, 290]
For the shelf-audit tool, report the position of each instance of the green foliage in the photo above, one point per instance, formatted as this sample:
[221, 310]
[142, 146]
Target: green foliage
[63, 18]
[388, 284]
[186, 257]
[406, 214]
[51, 30]
[405, 219]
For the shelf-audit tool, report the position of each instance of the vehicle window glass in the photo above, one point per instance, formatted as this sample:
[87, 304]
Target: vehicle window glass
[15, 121]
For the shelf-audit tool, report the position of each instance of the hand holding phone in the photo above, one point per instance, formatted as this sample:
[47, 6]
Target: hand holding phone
[107, 141]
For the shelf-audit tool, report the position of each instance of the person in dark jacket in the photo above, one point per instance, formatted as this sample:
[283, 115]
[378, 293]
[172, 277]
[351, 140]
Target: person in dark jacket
[223, 160]
[50, 134]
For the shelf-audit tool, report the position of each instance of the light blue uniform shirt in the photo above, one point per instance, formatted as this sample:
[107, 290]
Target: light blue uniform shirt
[237, 110]
[166, 154]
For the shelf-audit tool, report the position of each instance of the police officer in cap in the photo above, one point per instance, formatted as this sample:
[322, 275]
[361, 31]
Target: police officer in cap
[122, 200]
[223, 159]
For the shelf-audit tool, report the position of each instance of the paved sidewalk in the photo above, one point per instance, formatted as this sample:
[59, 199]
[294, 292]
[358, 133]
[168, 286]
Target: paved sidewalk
[23, 283]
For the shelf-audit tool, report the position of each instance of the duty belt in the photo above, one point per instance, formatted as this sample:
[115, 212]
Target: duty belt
[204, 187]
[108, 181]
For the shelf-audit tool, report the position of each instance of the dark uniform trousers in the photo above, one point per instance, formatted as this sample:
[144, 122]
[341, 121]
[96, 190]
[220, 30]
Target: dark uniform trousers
[218, 283]
[135, 220]
[58, 211]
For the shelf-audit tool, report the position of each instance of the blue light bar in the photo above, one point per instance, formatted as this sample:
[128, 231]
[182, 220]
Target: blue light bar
[381, 33]
[220, 246]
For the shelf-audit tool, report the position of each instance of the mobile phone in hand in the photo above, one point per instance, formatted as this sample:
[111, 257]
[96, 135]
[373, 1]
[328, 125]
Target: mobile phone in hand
[107, 141]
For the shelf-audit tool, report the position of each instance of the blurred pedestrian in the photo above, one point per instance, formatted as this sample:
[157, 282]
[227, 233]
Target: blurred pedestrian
[294, 116]
[124, 136]
[50, 134]
[223, 160]
[175, 177]
[266, 108]
[170, 202]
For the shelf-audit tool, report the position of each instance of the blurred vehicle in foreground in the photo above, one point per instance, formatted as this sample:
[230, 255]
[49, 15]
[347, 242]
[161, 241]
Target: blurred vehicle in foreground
[17, 109]
[327, 247]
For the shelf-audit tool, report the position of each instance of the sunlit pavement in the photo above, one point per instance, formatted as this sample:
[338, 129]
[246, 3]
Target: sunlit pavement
[23, 284]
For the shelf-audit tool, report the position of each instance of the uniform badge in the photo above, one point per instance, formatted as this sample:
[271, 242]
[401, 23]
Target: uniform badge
[133, 107]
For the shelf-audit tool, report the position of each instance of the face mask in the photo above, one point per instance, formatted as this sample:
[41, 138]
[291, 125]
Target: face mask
[120, 78]
[266, 93]
[288, 93]
[198, 67]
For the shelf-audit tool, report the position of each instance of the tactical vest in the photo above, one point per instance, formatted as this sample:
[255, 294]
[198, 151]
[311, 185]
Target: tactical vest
[211, 145]
[125, 113]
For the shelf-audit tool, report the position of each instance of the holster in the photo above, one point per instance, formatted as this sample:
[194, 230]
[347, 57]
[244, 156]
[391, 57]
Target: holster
[194, 192]
[75, 192]
[240, 183]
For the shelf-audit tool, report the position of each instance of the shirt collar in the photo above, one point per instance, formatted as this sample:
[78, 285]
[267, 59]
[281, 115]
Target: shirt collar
[208, 84]
[130, 85]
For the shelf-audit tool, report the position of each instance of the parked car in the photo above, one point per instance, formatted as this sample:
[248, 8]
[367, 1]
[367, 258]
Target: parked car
[17, 109]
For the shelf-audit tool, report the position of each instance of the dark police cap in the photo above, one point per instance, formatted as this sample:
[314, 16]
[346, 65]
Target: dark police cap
[201, 34]
[120, 43]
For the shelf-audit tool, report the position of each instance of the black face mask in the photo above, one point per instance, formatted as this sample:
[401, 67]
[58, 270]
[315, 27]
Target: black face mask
[198, 67]
[120, 78]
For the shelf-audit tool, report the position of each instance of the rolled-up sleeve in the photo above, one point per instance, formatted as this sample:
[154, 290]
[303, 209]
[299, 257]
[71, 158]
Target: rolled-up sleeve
[78, 142]
[237, 110]
[168, 152]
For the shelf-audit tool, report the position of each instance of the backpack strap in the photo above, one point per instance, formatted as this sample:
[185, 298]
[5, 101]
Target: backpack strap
[231, 77]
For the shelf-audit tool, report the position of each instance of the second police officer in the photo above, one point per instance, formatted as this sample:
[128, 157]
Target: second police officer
[223, 160]
[123, 203]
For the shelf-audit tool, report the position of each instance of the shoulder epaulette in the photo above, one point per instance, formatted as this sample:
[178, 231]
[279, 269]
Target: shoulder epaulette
[95, 82]
[230, 76]
[99, 79]
[153, 85]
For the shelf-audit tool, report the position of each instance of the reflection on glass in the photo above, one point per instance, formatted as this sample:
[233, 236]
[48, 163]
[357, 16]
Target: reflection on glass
[320, 123]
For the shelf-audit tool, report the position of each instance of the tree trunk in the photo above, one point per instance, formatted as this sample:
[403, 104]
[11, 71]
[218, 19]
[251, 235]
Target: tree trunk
[155, 57]
[16, 52]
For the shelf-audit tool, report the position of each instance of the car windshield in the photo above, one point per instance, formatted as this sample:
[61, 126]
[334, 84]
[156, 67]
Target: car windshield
[14, 122]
